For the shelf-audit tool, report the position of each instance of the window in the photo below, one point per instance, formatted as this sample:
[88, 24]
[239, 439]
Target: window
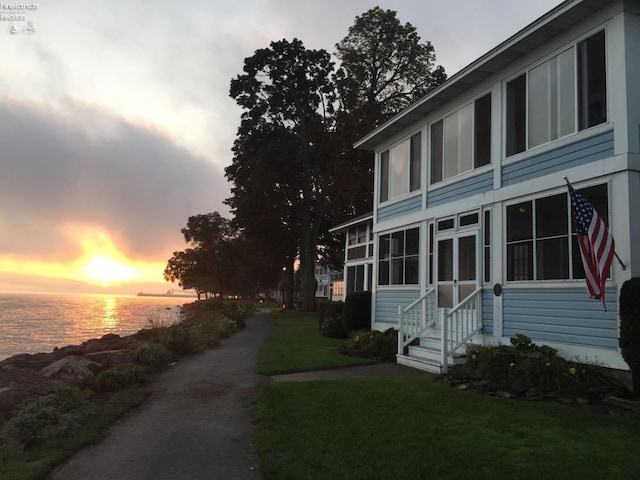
[358, 239]
[462, 140]
[400, 169]
[398, 262]
[545, 103]
[539, 245]
[486, 246]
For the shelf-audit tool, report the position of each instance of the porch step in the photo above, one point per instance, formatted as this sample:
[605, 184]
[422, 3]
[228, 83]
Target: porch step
[419, 363]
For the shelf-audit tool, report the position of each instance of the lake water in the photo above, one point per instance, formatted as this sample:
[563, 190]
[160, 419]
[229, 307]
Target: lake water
[31, 323]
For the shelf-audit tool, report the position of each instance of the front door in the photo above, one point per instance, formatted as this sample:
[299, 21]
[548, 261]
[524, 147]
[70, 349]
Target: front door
[457, 268]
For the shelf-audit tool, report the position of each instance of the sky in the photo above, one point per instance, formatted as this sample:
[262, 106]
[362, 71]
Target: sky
[116, 122]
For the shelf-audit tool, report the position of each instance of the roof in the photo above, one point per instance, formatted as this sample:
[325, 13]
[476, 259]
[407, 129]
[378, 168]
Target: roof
[350, 223]
[554, 22]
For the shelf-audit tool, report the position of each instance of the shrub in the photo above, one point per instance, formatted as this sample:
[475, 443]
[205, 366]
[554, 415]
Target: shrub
[48, 416]
[330, 319]
[630, 329]
[120, 377]
[356, 314]
[524, 365]
[212, 326]
[153, 356]
[236, 310]
[381, 346]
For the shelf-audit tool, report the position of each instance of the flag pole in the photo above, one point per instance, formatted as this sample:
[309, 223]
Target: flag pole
[624, 267]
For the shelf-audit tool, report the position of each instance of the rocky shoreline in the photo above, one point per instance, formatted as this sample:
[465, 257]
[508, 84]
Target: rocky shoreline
[25, 375]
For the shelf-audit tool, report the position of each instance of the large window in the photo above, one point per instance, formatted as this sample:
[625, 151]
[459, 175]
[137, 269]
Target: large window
[399, 254]
[541, 236]
[554, 99]
[462, 140]
[400, 169]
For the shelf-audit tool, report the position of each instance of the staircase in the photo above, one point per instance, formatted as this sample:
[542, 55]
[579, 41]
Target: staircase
[441, 333]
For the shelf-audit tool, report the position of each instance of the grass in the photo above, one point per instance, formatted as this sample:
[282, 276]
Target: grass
[296, 345]
[34, 464]
[414, 427]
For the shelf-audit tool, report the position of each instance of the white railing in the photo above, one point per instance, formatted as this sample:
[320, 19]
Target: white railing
[460, 324]
[415, 318]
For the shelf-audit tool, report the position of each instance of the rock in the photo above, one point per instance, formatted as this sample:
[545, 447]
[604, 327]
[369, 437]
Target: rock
[109, 358]
[502, 393]
[72, 370]
[26, 360]
[20, 384]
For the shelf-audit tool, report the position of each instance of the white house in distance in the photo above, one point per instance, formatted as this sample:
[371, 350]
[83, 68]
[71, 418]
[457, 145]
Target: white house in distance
[471, 234]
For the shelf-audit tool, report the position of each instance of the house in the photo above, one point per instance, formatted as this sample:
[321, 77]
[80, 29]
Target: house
[471, 234]
[324, 276]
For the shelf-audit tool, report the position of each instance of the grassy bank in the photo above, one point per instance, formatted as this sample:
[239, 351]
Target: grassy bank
[415, 427]
[296, 345]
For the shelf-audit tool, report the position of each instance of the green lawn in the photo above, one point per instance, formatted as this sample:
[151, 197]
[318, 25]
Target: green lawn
[415, 428]
[296, 345]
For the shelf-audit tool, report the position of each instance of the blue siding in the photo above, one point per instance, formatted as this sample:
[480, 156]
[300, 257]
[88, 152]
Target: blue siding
[387, 302]
[408, 205]
[561, 315]
[487, 312]
[554, 161]
[462, 189]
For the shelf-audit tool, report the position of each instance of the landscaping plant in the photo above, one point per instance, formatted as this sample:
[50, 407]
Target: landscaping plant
[630, 329]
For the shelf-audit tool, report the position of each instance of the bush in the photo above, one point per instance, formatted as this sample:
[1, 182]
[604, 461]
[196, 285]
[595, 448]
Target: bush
[45, 417]
[153, 356]
[630, 329]
[356, 314]
[213, 325]
[381, 346]
[236, 310]
[330, 319]
[120, 377]
[524, 365]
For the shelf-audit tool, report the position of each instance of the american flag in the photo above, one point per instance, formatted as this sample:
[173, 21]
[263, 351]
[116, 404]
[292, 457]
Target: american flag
[596, 245]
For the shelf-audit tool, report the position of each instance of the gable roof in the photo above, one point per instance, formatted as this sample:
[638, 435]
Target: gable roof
[557, 20]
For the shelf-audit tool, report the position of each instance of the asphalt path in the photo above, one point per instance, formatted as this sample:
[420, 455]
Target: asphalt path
[195, 425]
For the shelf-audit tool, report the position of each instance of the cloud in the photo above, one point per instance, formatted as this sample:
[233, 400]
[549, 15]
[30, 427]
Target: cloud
[77, 165]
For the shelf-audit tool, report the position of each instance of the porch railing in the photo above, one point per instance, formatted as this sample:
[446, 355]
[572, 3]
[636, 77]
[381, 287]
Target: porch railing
[460, 324]
[415, 318]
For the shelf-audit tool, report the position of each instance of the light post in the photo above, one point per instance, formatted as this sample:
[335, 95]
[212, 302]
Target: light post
[284, 284]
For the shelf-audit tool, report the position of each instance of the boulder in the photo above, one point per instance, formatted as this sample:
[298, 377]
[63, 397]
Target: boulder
[19, 384]
[72, 370]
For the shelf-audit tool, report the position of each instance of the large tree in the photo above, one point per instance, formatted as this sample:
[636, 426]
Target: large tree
[285, 92]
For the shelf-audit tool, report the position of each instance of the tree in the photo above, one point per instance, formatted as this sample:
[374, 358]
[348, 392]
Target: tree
[286, 96]
[212, 264]
[384, 68]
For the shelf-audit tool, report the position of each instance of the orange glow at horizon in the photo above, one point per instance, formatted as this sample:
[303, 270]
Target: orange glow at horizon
[101, 263]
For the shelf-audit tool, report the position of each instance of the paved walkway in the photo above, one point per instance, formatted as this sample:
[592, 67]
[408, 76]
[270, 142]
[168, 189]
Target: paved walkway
[196, 425]
[197, 422]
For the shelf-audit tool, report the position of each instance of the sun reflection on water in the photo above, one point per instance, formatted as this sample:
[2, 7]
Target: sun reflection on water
[110, 314]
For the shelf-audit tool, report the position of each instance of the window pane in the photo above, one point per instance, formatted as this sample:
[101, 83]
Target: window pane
[482, 133]
[576, 258]
[357, 252]
[397, 271]
[445, 260]
[397, 244]
[447, 224]
[592, 81]
[516, 115]
[436, 151]
[411, 270]
[538, 105]
[413, 242]
[520, 261]
[351, 279]
[551, 216]
[519, 222]
[383, 272]
[384, 246]
[451, 145]
[384, 176]
[566, 105]
[470, 219]
[362, 234]
[465, 139]
[415, 163]
[399, 170]
[359, 275]
[352, 236]
[467, 258]
[552, 258]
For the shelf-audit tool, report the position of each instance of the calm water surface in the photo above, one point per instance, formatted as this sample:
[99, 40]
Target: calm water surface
[31, 323]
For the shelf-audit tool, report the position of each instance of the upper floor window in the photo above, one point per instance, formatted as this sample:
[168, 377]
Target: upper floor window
[400, 169]
[359, 242]
[554, 99]
[462, 140]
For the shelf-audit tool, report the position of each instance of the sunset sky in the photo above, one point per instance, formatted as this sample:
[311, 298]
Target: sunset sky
[116, 123]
